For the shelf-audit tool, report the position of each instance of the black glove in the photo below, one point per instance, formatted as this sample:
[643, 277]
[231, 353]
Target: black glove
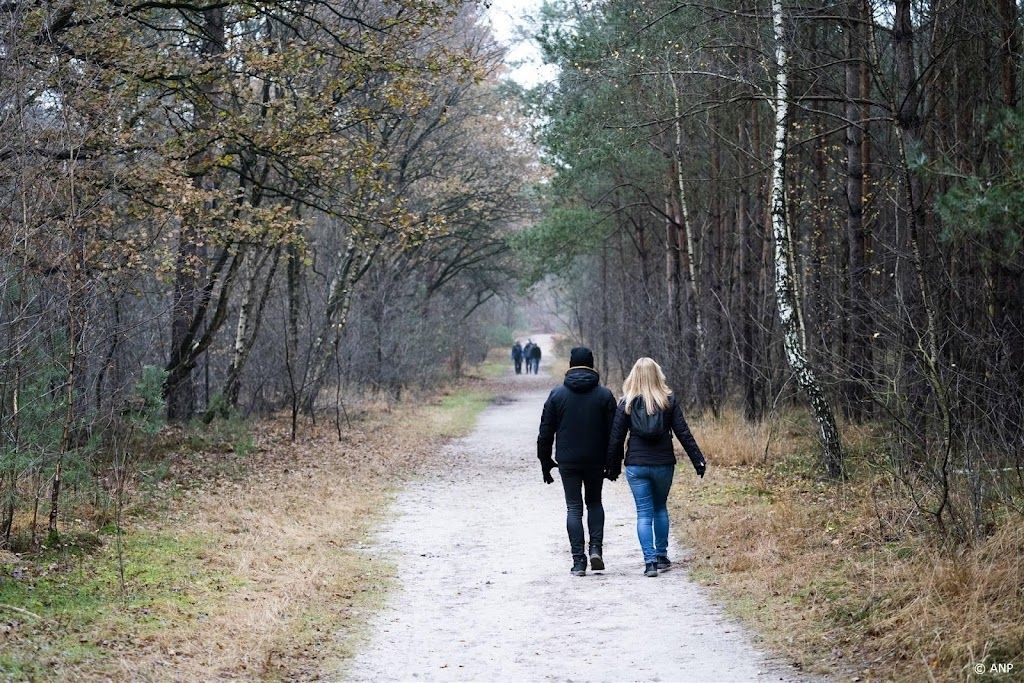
[701, 467]
[612, 473]
[546, 465]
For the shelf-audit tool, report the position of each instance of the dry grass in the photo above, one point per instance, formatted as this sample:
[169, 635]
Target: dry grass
[292, 533]
[286, 535]
[846, 578]
[269, 574]
[735, 441]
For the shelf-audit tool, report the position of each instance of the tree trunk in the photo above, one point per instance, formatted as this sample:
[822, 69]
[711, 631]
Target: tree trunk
[748, 249]
[74, 338]
[605, 359]
[673, 265]
[711, 250]
[908, 128]
[250, 315]
[683, 219]
[1010, 48]
[350, 267]
[291, 338]
[796, 353]
[858, 354]
[180, 389]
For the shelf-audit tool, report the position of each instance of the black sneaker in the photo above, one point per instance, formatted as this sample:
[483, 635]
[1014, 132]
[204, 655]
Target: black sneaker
[596, 561]
[663, 563]
[579, 567]
[651, 569]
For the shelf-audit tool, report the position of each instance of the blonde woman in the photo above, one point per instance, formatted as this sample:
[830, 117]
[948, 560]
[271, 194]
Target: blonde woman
[648, 413]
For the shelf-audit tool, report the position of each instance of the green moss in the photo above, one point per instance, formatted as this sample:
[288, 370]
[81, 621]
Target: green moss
[725, 492]
[494, 368]
[80, 601]
[457, 412]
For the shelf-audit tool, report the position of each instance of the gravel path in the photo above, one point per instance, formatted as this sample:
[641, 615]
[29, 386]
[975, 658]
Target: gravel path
[485, 591]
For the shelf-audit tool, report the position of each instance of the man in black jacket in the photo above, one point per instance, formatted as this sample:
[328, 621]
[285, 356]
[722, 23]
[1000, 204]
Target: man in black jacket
[526, 355]
[577, 419]
[517, 356]
[535, 358]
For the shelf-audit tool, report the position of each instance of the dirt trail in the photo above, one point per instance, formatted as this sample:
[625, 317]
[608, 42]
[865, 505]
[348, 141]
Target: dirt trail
[485, 592]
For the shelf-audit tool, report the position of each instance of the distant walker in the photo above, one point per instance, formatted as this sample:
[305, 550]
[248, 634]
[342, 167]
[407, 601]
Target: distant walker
[531, 353]
[517, 357]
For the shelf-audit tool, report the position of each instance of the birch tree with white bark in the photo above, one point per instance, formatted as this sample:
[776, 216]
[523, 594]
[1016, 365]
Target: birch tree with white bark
[794, 342]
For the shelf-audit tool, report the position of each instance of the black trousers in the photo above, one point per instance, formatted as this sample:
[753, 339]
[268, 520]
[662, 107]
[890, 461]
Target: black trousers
[583, 486]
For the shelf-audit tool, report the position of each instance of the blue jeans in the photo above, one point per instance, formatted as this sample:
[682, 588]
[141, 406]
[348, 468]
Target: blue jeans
[650, 485]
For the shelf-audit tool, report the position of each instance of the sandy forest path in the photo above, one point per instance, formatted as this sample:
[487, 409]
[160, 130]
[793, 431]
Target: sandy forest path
[484, 591]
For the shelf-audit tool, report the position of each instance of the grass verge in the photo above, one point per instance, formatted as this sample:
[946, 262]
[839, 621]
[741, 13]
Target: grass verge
[845, 578]
[455, 413]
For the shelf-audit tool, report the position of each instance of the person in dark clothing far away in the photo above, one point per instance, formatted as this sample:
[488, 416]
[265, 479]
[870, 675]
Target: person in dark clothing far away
[517, 357]
[577, 419]
[535, 358]
[650, 414]
[526, 354]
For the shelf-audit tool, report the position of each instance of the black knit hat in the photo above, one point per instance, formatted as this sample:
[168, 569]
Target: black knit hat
[581, 356]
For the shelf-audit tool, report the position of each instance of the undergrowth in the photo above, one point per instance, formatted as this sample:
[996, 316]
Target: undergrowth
[847, 577]
[240, 556]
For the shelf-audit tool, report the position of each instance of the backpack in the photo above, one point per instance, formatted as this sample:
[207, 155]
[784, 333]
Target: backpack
[645, 425]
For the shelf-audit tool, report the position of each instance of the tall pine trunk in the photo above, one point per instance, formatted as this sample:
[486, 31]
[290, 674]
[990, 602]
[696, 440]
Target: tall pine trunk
[856, 388]
[693, 283]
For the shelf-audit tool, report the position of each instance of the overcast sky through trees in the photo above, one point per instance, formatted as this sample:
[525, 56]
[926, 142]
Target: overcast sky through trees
[510, 19]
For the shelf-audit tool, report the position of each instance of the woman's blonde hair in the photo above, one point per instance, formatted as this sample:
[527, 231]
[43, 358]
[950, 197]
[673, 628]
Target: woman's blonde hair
[648, 380]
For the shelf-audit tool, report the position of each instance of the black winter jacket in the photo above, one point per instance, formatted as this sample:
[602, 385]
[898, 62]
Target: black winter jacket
[641, 451]
[577, 419]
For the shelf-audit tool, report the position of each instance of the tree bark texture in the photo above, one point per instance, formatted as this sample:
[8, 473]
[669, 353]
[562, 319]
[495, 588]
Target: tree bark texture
[796, 352]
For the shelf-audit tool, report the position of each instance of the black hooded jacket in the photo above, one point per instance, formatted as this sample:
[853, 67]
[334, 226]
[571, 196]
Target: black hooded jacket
[641, 451]
[577, 419]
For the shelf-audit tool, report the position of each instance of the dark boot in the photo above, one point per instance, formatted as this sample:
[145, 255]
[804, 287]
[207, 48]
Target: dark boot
[651, 569]
[596, 561]
[663, 563]
[579, 566]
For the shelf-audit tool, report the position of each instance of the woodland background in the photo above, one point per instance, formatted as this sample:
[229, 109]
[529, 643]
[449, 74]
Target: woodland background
[264, 218]
[221, 208]
[898, 248]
